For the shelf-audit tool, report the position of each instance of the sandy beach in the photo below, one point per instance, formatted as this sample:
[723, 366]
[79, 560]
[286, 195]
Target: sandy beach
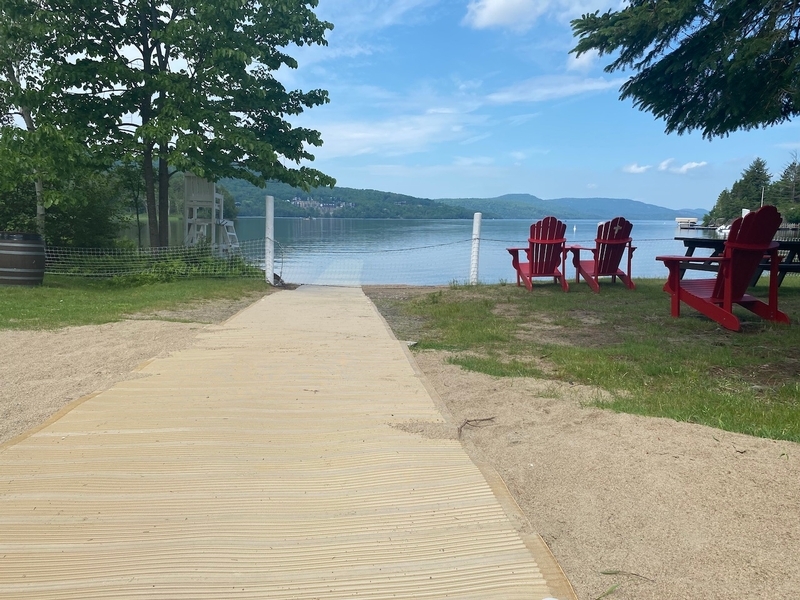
[632, 507]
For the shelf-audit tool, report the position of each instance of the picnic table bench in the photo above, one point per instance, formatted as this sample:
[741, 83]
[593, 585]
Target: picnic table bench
[788, 250]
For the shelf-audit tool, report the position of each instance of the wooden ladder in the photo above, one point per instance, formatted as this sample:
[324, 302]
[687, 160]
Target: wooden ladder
[231, 239]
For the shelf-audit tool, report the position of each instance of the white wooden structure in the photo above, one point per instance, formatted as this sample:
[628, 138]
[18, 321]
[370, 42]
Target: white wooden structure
[203, 214]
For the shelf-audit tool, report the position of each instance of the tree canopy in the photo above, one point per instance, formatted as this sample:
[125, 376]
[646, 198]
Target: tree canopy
[756, 185]
[173, 86]
[711, 65]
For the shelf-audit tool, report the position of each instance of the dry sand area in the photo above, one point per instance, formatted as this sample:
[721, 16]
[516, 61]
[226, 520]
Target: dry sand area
[632, 507]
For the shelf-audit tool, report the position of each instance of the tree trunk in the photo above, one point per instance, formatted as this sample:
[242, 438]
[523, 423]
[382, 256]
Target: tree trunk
[138, 227]
[150, 196]
[40, 213]
[38, 184]
[163, 201]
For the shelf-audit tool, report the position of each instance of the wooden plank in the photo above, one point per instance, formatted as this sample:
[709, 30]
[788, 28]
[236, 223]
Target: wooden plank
[265, 462]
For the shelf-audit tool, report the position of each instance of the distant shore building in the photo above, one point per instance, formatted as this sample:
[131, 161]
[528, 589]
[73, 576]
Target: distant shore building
[324, 207]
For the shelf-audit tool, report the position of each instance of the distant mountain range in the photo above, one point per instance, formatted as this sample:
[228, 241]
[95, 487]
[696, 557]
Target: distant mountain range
[349, 202]
[526, 206]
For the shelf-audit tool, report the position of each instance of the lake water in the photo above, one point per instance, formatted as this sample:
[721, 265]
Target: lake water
[428, 252]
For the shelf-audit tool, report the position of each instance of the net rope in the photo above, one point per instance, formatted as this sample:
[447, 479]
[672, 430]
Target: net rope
[202, 260]
[428, 264]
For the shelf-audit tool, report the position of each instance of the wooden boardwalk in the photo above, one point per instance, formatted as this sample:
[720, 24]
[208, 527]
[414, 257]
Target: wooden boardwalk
[264, 462]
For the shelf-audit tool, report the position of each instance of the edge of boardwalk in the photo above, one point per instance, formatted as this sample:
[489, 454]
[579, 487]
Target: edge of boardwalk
[556, 579]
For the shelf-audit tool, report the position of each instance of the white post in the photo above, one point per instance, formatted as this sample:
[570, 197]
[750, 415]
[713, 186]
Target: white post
[269, 242]
[476, 246]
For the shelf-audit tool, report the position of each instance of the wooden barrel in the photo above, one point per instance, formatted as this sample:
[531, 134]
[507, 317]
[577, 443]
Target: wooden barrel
[21, 258]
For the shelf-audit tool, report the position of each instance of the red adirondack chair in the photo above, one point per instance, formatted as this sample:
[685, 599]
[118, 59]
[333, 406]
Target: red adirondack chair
[750, 238]
[545, 253]
[613, 238]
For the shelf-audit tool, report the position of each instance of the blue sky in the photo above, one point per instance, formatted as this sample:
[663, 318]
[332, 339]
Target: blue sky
[479, 98]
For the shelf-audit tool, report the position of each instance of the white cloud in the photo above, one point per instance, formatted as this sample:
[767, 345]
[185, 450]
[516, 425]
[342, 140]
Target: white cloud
[634, 168]
[582, 63]
[464, 161]
[393, 12]
[591, 186]
[551, 87]
[357, 28]
[528, 152]
[468, 86]
[517, 120]
[476, 138]
[520, 15]
[664, 164]
[513, 14]
[683, 169]
[392, 137]
[369, 15]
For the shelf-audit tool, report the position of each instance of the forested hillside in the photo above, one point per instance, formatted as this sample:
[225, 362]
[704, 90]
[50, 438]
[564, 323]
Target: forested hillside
[526, 206]
[373, 204]
[337, 202]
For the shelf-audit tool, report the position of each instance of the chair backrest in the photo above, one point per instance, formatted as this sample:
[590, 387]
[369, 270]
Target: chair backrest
[612, 237]
[749, 238]
[546, 245]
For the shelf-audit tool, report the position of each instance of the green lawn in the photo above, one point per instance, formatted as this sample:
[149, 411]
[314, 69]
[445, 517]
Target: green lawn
[62, 301]
[625, 342]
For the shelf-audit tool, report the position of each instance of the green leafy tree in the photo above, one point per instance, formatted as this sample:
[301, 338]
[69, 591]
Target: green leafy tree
[745, 193]
[18, 208]
[786, 190]
[32, 148]
[723, 206]
[711, 65]
[18, 79]
[182, 86]
[131, 183]
[90, 213]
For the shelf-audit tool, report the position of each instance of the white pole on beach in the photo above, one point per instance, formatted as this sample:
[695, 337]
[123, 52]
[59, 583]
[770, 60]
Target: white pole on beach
[476, 247]
[269, 242]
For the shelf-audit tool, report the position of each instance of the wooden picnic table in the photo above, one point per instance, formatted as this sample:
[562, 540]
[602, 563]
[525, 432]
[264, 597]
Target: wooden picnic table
[788, 250]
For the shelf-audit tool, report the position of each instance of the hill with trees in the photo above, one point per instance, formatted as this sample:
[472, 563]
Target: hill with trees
[526, 206]
[372, 204]
[337, 202]
[756, 186]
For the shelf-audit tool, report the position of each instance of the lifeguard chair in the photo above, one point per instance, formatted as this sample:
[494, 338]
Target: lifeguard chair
[203, 215]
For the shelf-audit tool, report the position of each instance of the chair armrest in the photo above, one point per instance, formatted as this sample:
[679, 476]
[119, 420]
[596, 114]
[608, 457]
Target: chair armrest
[513, 251]
[578, 248]
[691, 258]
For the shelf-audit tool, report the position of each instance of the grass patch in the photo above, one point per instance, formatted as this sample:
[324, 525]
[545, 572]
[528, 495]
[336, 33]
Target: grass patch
[492, 366]
[626, 343]
[64, 301]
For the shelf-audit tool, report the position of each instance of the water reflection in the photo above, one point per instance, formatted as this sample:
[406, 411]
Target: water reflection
[422, 252]
[428, 252]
